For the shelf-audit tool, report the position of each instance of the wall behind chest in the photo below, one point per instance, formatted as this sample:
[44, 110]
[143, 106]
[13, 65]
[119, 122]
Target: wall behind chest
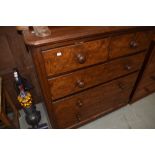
[13, 53]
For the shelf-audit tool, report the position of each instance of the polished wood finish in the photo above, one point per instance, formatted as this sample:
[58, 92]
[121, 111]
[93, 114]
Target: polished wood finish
[86, 72]
[129, 43]
[146, 85]
[67, 33]
[77, 108]
[76, 81]
[69, 58]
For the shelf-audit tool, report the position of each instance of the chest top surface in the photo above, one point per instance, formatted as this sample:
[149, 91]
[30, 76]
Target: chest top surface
[66, 33]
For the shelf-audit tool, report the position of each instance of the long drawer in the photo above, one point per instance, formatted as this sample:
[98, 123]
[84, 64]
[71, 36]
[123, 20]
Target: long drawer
[129, 43]
[78, 108]
[82, 79]
[69, 58]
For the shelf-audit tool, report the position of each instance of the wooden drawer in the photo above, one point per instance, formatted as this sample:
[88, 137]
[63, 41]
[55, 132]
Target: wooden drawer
[80, 107]
[82, 79]
[69, 58]
[129, 43]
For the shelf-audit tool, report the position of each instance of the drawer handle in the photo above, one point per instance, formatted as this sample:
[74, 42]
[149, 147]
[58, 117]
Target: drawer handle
[153, 78]
[79, 103]
[81, 58]
[121, 86]
[133, 44]
[78, 117]
[80, 84]
[128, 67]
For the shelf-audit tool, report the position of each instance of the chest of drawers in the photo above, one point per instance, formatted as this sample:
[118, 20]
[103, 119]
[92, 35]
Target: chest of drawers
[86, 72]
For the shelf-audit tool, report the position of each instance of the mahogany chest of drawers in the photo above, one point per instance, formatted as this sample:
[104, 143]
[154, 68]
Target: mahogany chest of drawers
[86, 72]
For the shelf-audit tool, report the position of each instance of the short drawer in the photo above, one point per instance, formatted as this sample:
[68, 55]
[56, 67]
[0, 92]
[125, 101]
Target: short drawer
[69, 58]
[80, 107]
[82, 79]
[129, 43]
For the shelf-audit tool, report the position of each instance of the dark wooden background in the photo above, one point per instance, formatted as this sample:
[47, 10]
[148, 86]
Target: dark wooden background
[13, 53]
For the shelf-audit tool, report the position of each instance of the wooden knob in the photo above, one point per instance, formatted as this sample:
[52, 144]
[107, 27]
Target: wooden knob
[78, 117]
[79, 103]
[80, 84]
[81, 58]
[133, 44]
[128, 67]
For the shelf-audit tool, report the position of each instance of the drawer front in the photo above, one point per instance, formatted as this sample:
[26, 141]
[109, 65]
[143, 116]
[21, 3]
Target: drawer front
[80, 80]
[80, 107]
[129, 43]
[69, 58]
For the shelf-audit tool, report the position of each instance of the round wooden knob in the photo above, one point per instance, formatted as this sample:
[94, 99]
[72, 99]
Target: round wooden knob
[79, 103]
[128, 67]
[81, 58]
[133, 44]
[80, 84]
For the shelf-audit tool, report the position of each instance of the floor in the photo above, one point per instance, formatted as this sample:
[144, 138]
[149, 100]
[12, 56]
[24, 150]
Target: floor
[140, 115]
